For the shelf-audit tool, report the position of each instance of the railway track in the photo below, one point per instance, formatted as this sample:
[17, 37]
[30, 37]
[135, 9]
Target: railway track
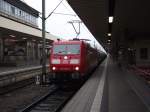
[13, 80]
[53, 101]
[16, 86]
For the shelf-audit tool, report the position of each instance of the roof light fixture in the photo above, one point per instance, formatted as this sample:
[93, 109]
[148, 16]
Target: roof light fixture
[111, 19]
[109, 34]
[24, 38]
[12, 35]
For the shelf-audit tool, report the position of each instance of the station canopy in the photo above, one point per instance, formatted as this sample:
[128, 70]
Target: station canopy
[129, 15]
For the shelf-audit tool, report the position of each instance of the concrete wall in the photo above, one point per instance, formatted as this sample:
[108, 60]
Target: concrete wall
[19, 27]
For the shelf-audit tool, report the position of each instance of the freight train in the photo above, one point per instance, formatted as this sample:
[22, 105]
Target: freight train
[73, 59]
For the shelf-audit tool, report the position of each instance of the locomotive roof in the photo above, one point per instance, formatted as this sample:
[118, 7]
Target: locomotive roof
[68, 42]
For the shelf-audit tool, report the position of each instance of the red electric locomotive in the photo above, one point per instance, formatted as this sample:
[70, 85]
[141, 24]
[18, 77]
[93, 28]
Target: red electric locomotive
[72, 59]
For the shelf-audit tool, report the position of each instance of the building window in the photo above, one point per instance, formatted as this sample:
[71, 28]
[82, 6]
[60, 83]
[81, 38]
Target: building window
[13, 10]
[1, 4]
[144, 53]
[20, 13]
[16, 12]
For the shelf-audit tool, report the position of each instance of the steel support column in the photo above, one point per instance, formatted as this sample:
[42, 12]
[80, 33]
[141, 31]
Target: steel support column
[43, 76]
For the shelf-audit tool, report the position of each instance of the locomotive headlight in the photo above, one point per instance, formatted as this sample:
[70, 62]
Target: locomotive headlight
[65, 57]
[53, 68]
[55, 61]
[76, 68]
[74, 61]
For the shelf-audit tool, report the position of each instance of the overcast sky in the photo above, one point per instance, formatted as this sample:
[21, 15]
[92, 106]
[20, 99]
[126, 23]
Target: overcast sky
[58, 24]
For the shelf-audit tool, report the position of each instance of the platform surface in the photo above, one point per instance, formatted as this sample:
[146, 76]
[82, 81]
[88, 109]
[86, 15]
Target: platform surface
[120, 96]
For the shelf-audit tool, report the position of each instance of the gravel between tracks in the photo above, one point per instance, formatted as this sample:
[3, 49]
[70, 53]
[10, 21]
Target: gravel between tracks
[16, 100]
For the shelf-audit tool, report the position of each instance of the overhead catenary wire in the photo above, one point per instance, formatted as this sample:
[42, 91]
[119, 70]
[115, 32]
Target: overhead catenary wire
[64, 14]
[61, 2]
[66, 7]
[54, 10]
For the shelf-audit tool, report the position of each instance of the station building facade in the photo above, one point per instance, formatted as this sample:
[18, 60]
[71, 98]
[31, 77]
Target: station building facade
[140, 51]
[20, 36]
[133, 48]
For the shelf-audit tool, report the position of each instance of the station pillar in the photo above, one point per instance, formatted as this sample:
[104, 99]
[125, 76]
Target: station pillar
[36, 50]
[1, 48]
[122, 46]
[28, 51]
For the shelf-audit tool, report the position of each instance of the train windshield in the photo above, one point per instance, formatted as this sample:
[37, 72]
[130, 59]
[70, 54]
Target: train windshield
[66, 49]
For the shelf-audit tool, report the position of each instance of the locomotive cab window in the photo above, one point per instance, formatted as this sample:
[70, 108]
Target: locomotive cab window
[66, 49]
[73, 49]
[59, 49]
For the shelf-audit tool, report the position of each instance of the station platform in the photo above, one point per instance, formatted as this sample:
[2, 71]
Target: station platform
[26, 66]
[111, 89]
[23, 66]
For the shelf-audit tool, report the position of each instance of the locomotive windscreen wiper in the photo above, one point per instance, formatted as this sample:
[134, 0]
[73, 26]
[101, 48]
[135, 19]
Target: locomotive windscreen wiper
[62, 52]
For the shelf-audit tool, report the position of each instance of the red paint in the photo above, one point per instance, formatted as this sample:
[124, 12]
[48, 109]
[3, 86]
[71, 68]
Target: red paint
[87, 56]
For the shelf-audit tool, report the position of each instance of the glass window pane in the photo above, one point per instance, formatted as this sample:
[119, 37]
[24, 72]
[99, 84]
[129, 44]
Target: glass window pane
[66, 49]
[59, 49]
[73, 49]
[12, 10]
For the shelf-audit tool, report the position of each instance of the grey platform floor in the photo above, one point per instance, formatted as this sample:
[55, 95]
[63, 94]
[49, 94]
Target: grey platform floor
[120, 96]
